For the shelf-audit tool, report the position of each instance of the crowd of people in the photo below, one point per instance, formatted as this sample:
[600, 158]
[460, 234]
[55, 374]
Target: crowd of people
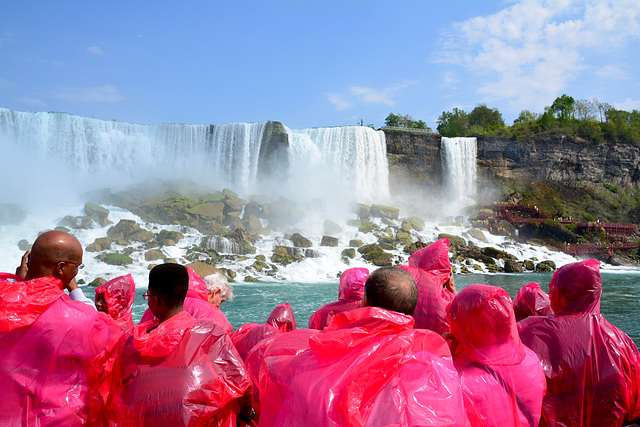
[400, 347]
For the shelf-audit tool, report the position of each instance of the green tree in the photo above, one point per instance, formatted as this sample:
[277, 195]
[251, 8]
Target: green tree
[393, 120]
[453, 123]
[420, 124]
[485, 117]
[563, 108]
[404, 121]
[526, 116]
[585, 110]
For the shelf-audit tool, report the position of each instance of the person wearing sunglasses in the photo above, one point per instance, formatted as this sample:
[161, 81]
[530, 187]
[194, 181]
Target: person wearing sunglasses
[57, 354]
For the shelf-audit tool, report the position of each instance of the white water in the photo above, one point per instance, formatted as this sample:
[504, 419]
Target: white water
[58, 155]
[459, 167]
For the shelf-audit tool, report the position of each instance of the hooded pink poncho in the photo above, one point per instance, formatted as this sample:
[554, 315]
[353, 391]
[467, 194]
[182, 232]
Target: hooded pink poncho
[592, 368]
[119, 293]
[531, 300]
[350, 295]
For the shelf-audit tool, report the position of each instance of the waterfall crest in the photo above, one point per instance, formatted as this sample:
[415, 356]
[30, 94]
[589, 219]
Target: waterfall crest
[459, 167]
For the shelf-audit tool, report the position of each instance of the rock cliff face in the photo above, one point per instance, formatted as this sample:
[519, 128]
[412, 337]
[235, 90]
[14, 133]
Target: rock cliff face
[417, 156]
[274, 152]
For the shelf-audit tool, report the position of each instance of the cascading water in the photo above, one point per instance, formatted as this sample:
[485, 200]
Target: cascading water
[131, 152]
[458, 157]
[351, 158]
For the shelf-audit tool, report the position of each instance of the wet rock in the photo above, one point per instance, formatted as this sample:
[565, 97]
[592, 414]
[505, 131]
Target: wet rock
[115, 259]
[368, 248]
[300, 241]
[98, 281]
[251, 223]
[355, 243]
[69, 221]
[412, 223]
[618, 260]
[511, 266]
[311, 253]
[366, 226]
[348, 253]
[128, 229]
[529, 265]
[24, 245]
[363, 211]
[546, 266]
[387, 242]
[497, 254]
[202, 268]
[454, 241]
[281, 256]
[329, 241]
[379, 258]
[233, 221]
[96, 212]
[381, 211]
[214, 211]
[415, 246]
[169, 238]
[153, 255]
[233, 204]
[99, 244]
[403, 238]
[250, 279]
[477, 234]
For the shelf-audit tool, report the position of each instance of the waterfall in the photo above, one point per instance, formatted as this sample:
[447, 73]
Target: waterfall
[132, 152]
[340, 163]
[459, 167]
[350, 159]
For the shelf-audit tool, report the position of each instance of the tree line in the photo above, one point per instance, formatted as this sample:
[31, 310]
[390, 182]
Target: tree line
[591, 120]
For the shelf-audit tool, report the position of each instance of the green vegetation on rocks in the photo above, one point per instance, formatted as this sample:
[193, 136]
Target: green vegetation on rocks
[115, 259]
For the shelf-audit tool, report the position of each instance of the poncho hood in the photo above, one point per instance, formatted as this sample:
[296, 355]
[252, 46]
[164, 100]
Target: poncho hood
[350, 329]
[352, 284]
[576, 288]
[433, 258]
[22, 302]
[482, 320]
[197, 286]
[164, 338]
[282, 318]
[119, 293]
[531, 300]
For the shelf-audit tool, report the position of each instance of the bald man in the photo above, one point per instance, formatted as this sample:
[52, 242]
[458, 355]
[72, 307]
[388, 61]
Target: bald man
[57, 353]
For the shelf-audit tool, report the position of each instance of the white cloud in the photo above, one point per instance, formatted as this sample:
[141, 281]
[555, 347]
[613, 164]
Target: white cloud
[107, 93]
[339, 101]
[628, 104]
[528, 52]
[613, 72]
[367, 95]
[32, 101]
[95, 50]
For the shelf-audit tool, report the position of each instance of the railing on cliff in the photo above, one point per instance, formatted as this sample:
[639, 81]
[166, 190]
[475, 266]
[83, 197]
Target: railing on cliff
[408, 129]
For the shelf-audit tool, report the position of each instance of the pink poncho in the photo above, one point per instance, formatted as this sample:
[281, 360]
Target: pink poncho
[350, 295]
[119, 293]
[531, 301]
[57, 356]
[592, 367]
[502, 380]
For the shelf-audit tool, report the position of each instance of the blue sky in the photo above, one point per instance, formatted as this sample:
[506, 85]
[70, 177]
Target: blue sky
[313, 63]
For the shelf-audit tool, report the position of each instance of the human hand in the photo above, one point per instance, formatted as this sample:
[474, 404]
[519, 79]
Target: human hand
[452, 341]
[24, 265]
[73, 285]
[450, 285]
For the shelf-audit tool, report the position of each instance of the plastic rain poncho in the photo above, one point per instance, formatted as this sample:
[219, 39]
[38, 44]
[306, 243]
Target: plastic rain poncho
[248, 335]
[502, 380]
[56, 356]
[119, 293]
[368, 367]
[531, 300]
[350, 295]
[185, 372]
[592, 367]
[197, 304]
[431, 270]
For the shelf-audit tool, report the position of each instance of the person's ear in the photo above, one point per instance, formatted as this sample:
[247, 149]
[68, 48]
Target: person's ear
[364, 302]
[60, 268]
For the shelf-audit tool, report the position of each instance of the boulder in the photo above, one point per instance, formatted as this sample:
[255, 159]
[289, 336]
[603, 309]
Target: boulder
[233, 221]
[213, 210]
[311, 253]
[348, 253]
[300, 241]
[96, 212]
[497, 254]
[415, 246]
[454, 241]
[116, 259]
[363, 211]
[69, 221]
[355, 243]
[128, 229]
[24, 245]
[366, 226]
[281, 256]
[529, 265]
[251, 223]
[477, 234]
[99, 244]
[233, 204]
[387, 242]
[412, 223]
[329, 241]
[381, 211]
[250, 279]
[511, 266]
[153, 255]
[546, 266]
[98, 281]
[169, 238]
[202, 268]
[368, 248]
[379, 258]
[403, 238]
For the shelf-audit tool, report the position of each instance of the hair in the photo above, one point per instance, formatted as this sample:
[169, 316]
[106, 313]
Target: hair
[217, 281]
[171, 282]
[393, 289]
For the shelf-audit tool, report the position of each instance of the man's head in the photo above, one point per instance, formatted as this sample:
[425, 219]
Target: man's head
[218, 288]
[55, 254]
[168, 286]
[391, 288]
